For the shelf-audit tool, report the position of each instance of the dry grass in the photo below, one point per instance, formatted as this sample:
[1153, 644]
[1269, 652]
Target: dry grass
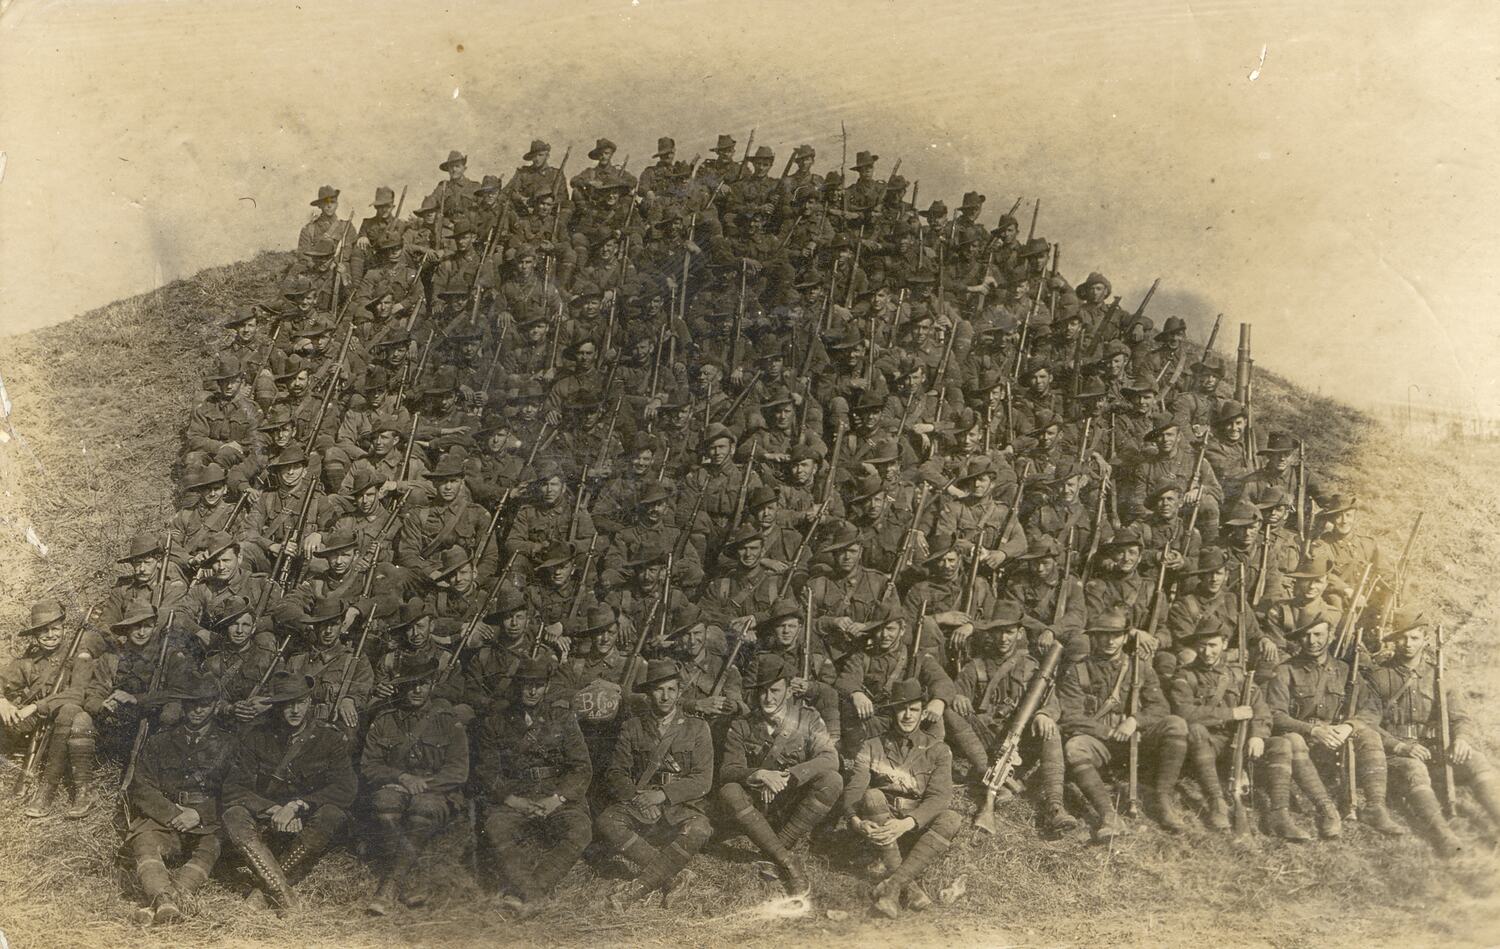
[101, 400]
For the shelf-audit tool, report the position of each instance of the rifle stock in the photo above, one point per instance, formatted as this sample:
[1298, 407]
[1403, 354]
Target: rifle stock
[1037, 689]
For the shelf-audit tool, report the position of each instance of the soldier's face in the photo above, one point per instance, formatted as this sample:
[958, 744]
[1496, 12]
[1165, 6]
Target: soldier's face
[981, 486]
[419, 632]
[1234, 429]
[1210, 649]
[947, 564]
[641, 461]
[848, 558]
[1116, 362]
[550, 489]
[447, 488]
[1208, 381]
[527, 265]
[1140, 402]
[1240, 535]
[888, 635]
[1042, 568]
[748, 553]
[1107, 645]
[341, 561]
[782, 416]
[539, 159]
[557, 574]
[788, 631]
[1343, 522]
[368, 498]
[294, 713]
[1008, 638]
[228, 387]
[240, 630]
[1278, 462]
[463, 578]
[417, 693]
[143, 569]
[802, 471]
[213, 494]
[1129, 558]
[908, 717]
[719, 451]
[694, 640]
[1166, 440]
[1309, 588]
[198, 713]
[226, 565]
[385, 441]
[773, 697]
[765, 517]
[140, 634]
[1409, 645]
[532, 692]
[664, 697]
[291, 475]
[1214, 582]
[327, 632]
[1167, 504]
[1315, 640]
[513, 624]
[51, 637]
[456, 170]
[282, 437]
[245, 332]
[1039, 381]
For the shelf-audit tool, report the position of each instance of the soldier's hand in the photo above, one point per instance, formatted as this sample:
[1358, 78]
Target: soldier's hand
[186, 819]
[26, 712]
[800, 686]
[963, 705]
[284, 818]
[961, 635]
[1044, 641]
[1460, 752]
[1255, 747]
[1124, 730]
[651, 797]
[1242, 713]
[1414, 749]
[347, 713]
[993, 558]
[863, 707]
[933, 712]
[414, 784]
[9, 714]
[1327, 736]
[1044, 726]
[248, 709]
[1267, 652]
[383, 690]
[1173, 559]
[1146, 643]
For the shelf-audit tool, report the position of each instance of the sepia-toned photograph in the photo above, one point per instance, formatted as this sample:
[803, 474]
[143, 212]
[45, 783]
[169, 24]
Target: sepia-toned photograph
[717, 474]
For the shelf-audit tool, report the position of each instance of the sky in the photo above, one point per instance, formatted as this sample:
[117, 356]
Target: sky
[1336, 194]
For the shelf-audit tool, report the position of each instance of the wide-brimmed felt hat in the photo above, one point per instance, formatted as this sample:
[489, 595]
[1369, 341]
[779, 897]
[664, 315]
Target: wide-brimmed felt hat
[290, 456]
[1210, 560]
[843, 534]
[596, 619]
[1227, 411]
[1279, 443]
[556, 554]
[190, 685]
[416, 669]
[715, 432]
[1040, 546]
[227, 610]
[536, 148]
[1338, 504]
[448, 467]
[902, 693]
[725, 143]
[134, 615]
[1112, 620]
[43, 614]
[1174, 326]
[505, 603]
[1209, 626]
[324, 609]
[141, 545]
[532, 670]
[658, 671]
[1162, 421]
[242, 315]
[1005, 613]
[326, 193]
[455, 157]
[1404, 621]
[784, 608]
[225, 367]
[664, 147]
[1318, 618]
[216, 543]
[449, 562]
[1127, 536]
[1311, 568]
[286, 686]
[1240, 513]
[600, 147]
[770, 669]
[865, 160]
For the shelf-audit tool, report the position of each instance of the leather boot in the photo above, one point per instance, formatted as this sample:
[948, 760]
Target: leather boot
[261, 863]
[1279, 791]
[928, 848]
[81, 766]
[1170, 752]
[1055, 818]
[384, 899]
[1218, 814]
[1094, 791]
[758, 829]
[53, 767]
[1486, 785]
[1429, 814]
[41, 802]
[1330, 824]
[1372, 781]
[165, 911]
[1280, 822]
[1206, 772]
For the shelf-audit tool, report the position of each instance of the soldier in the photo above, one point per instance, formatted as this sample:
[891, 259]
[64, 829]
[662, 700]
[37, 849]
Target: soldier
[292, 776]
[416, 761]
[454, 194]
[1309, 706]
[534, 772]
[901, 785]
[240, 657]
[327, 226]
[528, 181]
[449, 519]
[46, 687]
[779, 766]
[144, 585]
[1097, 724]
[327, 662]
[1405, 685]
[659, 777]
[782, 631]
[222, 427]
[988, 690]
[174, 797]
[885, 659]
[1208, 694]
[1347, 552]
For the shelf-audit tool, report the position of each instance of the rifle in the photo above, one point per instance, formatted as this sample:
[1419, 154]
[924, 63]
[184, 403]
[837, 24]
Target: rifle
[739, 317]
[687, 528]
[1006, 758]
[411, 444]
[627, 679]
[1093, 552]
[1444, 728]
[859, 246]
[744, 492]
[739, 400]
[1348, 639]
[166, 561]
[400, 202]
[284, 571]
[1060, 607]
[904, 551]
[43, 735]
[1208, 347]
[346, 677]
[333, 384]
[1036, 209]
[583, 578]
[280, 655]
[474, 621]
[234, 515]
[1241, 783]
[942, 372]
[143, 727]
[1304, 527]
[972, 580]
[739, 640]
[916, 642]
[1133, 707]
[1015, 371]
[807, 625]
[844, 168]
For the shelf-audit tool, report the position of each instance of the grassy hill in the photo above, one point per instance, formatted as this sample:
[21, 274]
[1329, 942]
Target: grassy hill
[99, 403]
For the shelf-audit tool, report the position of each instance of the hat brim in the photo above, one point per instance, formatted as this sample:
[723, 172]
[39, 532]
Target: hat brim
[648, 684]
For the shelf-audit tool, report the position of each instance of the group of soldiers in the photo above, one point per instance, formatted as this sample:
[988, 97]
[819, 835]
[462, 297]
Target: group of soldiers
[621, 512]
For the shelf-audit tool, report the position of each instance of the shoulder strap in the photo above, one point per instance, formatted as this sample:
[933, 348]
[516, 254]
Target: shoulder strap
[658, 755]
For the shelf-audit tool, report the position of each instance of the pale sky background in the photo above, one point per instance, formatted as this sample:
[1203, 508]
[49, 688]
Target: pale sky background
[1342, 202]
